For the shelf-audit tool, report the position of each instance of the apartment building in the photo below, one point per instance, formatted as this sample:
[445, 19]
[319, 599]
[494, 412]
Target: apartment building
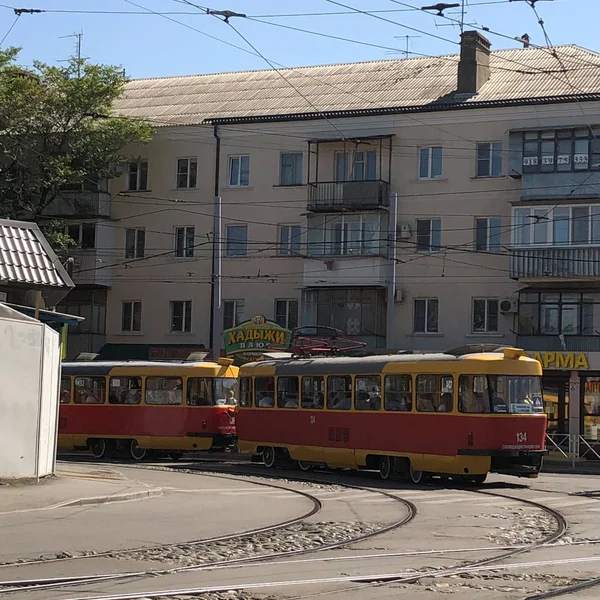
[418, 204]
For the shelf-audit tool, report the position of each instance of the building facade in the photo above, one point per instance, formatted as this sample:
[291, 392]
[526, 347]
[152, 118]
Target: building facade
[417, 204]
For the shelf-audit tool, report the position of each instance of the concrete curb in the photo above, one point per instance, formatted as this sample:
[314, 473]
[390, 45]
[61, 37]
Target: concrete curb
[125, 497]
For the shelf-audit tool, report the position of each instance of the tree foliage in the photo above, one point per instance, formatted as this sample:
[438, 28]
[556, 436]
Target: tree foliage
[58, 129]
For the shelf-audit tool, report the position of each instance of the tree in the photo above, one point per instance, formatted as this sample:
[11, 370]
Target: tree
[58, 129]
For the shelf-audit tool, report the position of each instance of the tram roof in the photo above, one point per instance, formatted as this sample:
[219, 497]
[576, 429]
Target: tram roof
[364, 364]
[100, 368]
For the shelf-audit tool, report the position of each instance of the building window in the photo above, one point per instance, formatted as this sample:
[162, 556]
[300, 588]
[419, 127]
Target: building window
[485, 315]
[489, 159]
[131, 316]
[290, 240]
[286, 313]
[429, 235]
[233, 313]
[83, 234]
[556, 313]
[426, 315]
[430, 163]
[487, 234]
[181, 316]
[556, 225]
[137, 176]
[187, 172]
[291, 169]
[239, 171]
[237, 240]
[356, 312]
[185, 238]
[356, 166]
[341, 235]
[135, 243]
[561, 150]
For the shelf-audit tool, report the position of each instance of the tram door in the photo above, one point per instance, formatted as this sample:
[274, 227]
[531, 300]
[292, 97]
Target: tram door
[556, 404]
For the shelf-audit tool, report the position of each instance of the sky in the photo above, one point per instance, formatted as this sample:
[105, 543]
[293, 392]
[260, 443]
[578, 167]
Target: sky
[147, 44]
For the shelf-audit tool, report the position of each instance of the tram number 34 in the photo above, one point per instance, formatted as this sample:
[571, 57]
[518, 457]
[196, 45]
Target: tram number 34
[521, 436]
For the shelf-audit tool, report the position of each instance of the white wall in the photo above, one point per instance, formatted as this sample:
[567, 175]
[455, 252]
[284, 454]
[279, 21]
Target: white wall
[29, 375]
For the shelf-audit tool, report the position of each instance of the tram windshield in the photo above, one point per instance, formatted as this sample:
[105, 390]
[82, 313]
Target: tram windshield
[500, 394]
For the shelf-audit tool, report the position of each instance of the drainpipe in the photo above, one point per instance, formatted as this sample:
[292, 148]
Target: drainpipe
[215, 281]
[390, 326]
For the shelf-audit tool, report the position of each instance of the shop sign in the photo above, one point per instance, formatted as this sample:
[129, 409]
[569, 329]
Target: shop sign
[255, 336]
[561, 360]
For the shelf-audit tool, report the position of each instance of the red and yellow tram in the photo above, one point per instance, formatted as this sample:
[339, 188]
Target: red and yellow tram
[412, 414]
[141, 406]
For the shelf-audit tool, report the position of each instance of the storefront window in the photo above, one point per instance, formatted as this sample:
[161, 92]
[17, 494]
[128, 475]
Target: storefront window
[591, 408]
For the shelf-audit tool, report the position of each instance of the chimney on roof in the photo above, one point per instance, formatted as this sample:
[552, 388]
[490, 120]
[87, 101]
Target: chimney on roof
[474, 65]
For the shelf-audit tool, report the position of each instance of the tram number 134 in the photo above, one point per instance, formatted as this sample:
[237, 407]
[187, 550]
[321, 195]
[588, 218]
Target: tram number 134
[521, 436]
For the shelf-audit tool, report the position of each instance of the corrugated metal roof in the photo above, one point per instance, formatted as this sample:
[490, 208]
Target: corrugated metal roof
[27, 258]
[426, 83]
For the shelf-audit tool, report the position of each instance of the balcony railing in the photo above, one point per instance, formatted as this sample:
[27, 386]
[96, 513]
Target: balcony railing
[339, 195]
[566, 262]
[82, 203]
[552, 343]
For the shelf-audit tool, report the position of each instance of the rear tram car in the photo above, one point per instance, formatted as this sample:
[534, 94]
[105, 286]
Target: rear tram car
[135, 407]
[410, 415]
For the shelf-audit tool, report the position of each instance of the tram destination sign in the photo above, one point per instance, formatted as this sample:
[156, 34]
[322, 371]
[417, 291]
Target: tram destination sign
[255, 336]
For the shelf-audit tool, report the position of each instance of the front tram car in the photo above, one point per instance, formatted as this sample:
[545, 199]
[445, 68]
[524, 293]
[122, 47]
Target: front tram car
[462, 415]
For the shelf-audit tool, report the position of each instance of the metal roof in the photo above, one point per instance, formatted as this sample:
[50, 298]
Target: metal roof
[523, 75]
[27, 258]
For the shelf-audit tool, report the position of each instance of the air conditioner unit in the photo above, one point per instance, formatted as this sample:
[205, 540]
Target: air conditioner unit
[405, 231]
[508, 306]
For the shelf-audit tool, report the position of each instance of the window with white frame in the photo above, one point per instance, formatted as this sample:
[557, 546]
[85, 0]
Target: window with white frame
[181, 316]
[342, 235]
[185, 241]
[356, 166]
[425, 317]
[135, 243]
[430, 162]
[489, 159]
[236, 240]
[429, 234]
[290, 240]
[485, 315]
[137, 176]
[233, 313]
[556, 225]
[286, 313]
[187, 172]
[131, 316]
[488, 234]
[239, 171]
[561, 150]
[83, 234]
[291, 168]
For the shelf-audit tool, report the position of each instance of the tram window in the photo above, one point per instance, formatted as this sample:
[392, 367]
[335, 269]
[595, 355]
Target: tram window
[398, 393]
[200, 391]
[367, 392]
[164, 390]
[287, 392]
[446, 396]
[245, 391]
[264, 392]
[473, 395]
[125, 390]
[339, 392]
[90, 390]
[226, 391]
[313, 392]
[65, 390]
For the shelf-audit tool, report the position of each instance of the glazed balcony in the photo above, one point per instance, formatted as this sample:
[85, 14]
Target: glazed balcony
[575, 262]
[328, 196]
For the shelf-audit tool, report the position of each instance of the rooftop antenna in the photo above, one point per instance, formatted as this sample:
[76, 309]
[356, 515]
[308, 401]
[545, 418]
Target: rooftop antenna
[441, 7]
[78, 45]
[407, 38]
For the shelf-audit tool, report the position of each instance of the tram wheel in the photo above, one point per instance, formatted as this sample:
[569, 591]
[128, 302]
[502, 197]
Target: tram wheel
[269, 457]
[304, 466]
[478, 479]
[97, 448]
[385, 467]
[136, 452]
[416, 477]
